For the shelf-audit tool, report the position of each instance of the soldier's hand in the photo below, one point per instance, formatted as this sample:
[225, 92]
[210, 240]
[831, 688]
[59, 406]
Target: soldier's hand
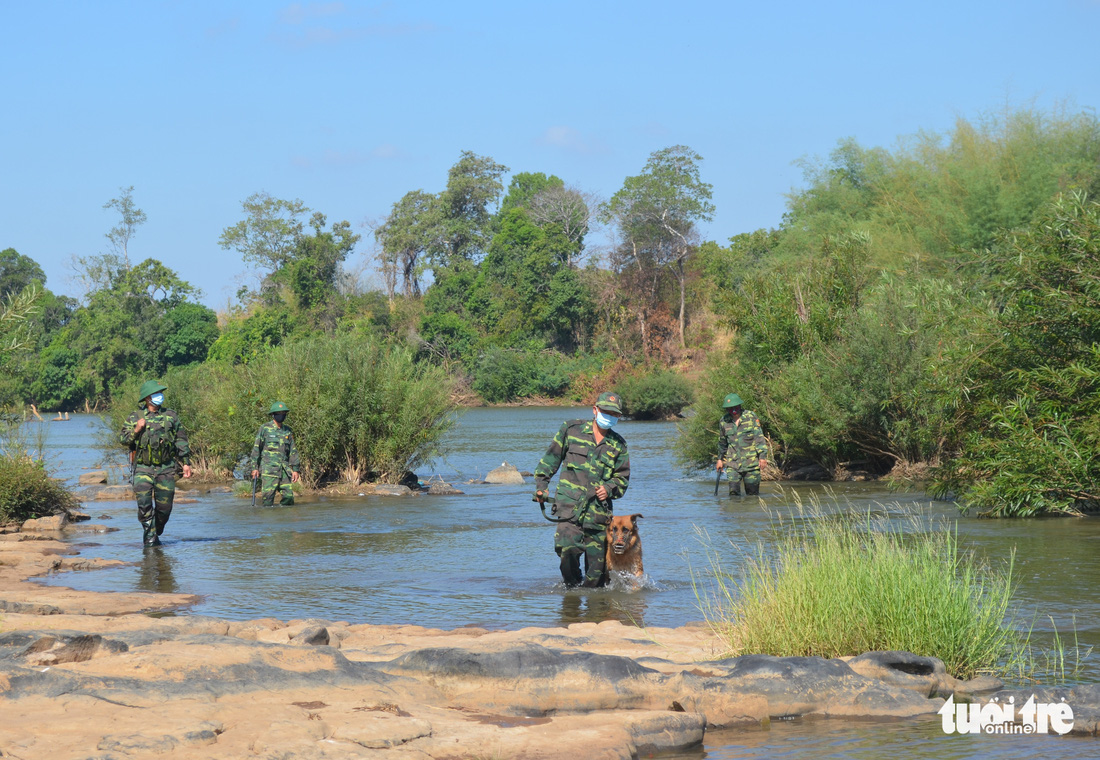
[540, 496]
[763, 463]
[255, 474]
[139, 425]
[295, 477]
[721, 464]
[601, 493]
[187, 471]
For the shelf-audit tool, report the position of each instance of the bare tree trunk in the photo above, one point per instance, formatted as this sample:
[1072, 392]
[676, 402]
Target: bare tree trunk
[680, 273]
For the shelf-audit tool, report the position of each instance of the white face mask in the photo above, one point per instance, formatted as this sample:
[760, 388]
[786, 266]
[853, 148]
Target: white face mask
[157, 399]
[605, 421]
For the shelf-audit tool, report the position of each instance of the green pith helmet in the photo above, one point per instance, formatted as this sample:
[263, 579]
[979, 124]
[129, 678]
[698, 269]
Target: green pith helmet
[278, 406]
[732, 400]
[149, 387]
[609, 401]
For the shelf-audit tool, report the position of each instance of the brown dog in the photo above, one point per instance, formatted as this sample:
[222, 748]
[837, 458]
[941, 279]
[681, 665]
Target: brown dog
[624, 545]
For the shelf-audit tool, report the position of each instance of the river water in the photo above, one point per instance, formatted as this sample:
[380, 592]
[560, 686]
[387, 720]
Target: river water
[486, 558]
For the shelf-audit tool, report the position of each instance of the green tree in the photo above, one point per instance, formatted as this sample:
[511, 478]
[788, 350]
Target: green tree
[268, 236]
[17, 272]
[473, 186]
[132, 217]
[413, 229]
[656, 213]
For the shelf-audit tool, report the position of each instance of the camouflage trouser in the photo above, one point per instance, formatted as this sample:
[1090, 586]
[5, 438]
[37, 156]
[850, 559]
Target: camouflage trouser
[751, 478]
[275, 480]
[155, 488]
[588, 539]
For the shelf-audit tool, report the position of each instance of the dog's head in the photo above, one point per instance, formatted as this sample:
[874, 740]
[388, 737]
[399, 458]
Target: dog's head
[622, 533]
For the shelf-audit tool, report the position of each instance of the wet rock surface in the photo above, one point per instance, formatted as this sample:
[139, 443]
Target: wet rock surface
[88, 675]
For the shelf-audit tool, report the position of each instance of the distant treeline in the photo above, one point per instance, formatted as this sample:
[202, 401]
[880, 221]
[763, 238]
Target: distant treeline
[927, 305]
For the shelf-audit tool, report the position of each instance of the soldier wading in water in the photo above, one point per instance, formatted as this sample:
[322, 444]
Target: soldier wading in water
[157, 439]
[742, 448]
[597, 470]
[275, 457]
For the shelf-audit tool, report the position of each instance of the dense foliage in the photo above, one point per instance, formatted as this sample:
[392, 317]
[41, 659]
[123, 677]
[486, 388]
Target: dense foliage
[655, 395]
[359, 408]
[869, 328]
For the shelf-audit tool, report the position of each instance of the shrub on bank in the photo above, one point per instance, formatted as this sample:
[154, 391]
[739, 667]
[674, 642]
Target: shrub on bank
[27, 490]
[839, 586]
[358, 407]
[656, 395]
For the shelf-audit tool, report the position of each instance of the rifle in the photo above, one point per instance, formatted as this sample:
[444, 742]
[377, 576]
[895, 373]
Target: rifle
[133, 466]
[717, 480]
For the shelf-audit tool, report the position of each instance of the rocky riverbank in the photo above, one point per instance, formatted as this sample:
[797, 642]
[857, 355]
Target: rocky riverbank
[100, 675]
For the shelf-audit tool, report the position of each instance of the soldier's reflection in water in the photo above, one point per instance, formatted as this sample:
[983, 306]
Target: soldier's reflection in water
[156, 572]
[598, 606]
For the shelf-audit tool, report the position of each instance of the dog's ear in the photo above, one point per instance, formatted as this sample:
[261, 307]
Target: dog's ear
[634, 517]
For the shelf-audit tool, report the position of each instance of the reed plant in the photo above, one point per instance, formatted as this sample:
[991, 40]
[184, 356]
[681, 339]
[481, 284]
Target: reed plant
[835, 586]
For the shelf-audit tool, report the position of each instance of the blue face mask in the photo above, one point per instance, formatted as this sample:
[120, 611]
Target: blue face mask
[605, 421]
[157, 399]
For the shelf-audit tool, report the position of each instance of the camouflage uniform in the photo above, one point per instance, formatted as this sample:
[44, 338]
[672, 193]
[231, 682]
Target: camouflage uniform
[276, 457]
[587, 466]
[160, 451]
[742, 445]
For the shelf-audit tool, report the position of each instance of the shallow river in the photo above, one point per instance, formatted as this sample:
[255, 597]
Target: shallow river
[486, 558]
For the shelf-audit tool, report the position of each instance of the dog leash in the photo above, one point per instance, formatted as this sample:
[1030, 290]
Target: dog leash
[576, 518]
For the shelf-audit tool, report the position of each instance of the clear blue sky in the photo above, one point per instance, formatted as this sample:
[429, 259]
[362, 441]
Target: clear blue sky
[349, 105]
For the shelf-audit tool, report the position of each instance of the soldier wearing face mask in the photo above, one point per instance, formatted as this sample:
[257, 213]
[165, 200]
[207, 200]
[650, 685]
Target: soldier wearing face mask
[275, 457]
[597, 470]
[159, 445]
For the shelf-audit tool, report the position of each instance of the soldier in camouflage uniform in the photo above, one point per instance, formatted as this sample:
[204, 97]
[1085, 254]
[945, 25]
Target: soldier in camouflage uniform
[597, 470]
[742, 448]
[159, 445]
[275, 457]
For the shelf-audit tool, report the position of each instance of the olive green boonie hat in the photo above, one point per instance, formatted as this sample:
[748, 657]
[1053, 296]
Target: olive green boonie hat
[732, 400]
[278, 406]
[610, 402]
[149, 387]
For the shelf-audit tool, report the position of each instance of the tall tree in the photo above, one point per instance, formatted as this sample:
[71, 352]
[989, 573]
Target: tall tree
[656, 213]
[132, 218]
[473, 185]
[17, 272]
[412, 230]
[268, 235]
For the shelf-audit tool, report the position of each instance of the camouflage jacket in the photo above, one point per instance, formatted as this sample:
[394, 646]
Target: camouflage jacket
[587, 465]
[742, 443]
[162, 440]
[274, 447]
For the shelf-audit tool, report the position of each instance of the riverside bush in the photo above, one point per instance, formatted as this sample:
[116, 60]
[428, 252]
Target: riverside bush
[838, 586]
[655, 396]
[358, 407]
[1031, 421]
[27, 490]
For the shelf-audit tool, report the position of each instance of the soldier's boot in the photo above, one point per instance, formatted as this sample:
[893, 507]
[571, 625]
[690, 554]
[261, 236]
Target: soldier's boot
[571, 568]
[161, 519]
[149, 532]
[735, 488]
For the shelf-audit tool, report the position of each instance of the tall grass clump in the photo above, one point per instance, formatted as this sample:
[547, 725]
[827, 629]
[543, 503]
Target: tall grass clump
[839, 586]
[26, 488]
